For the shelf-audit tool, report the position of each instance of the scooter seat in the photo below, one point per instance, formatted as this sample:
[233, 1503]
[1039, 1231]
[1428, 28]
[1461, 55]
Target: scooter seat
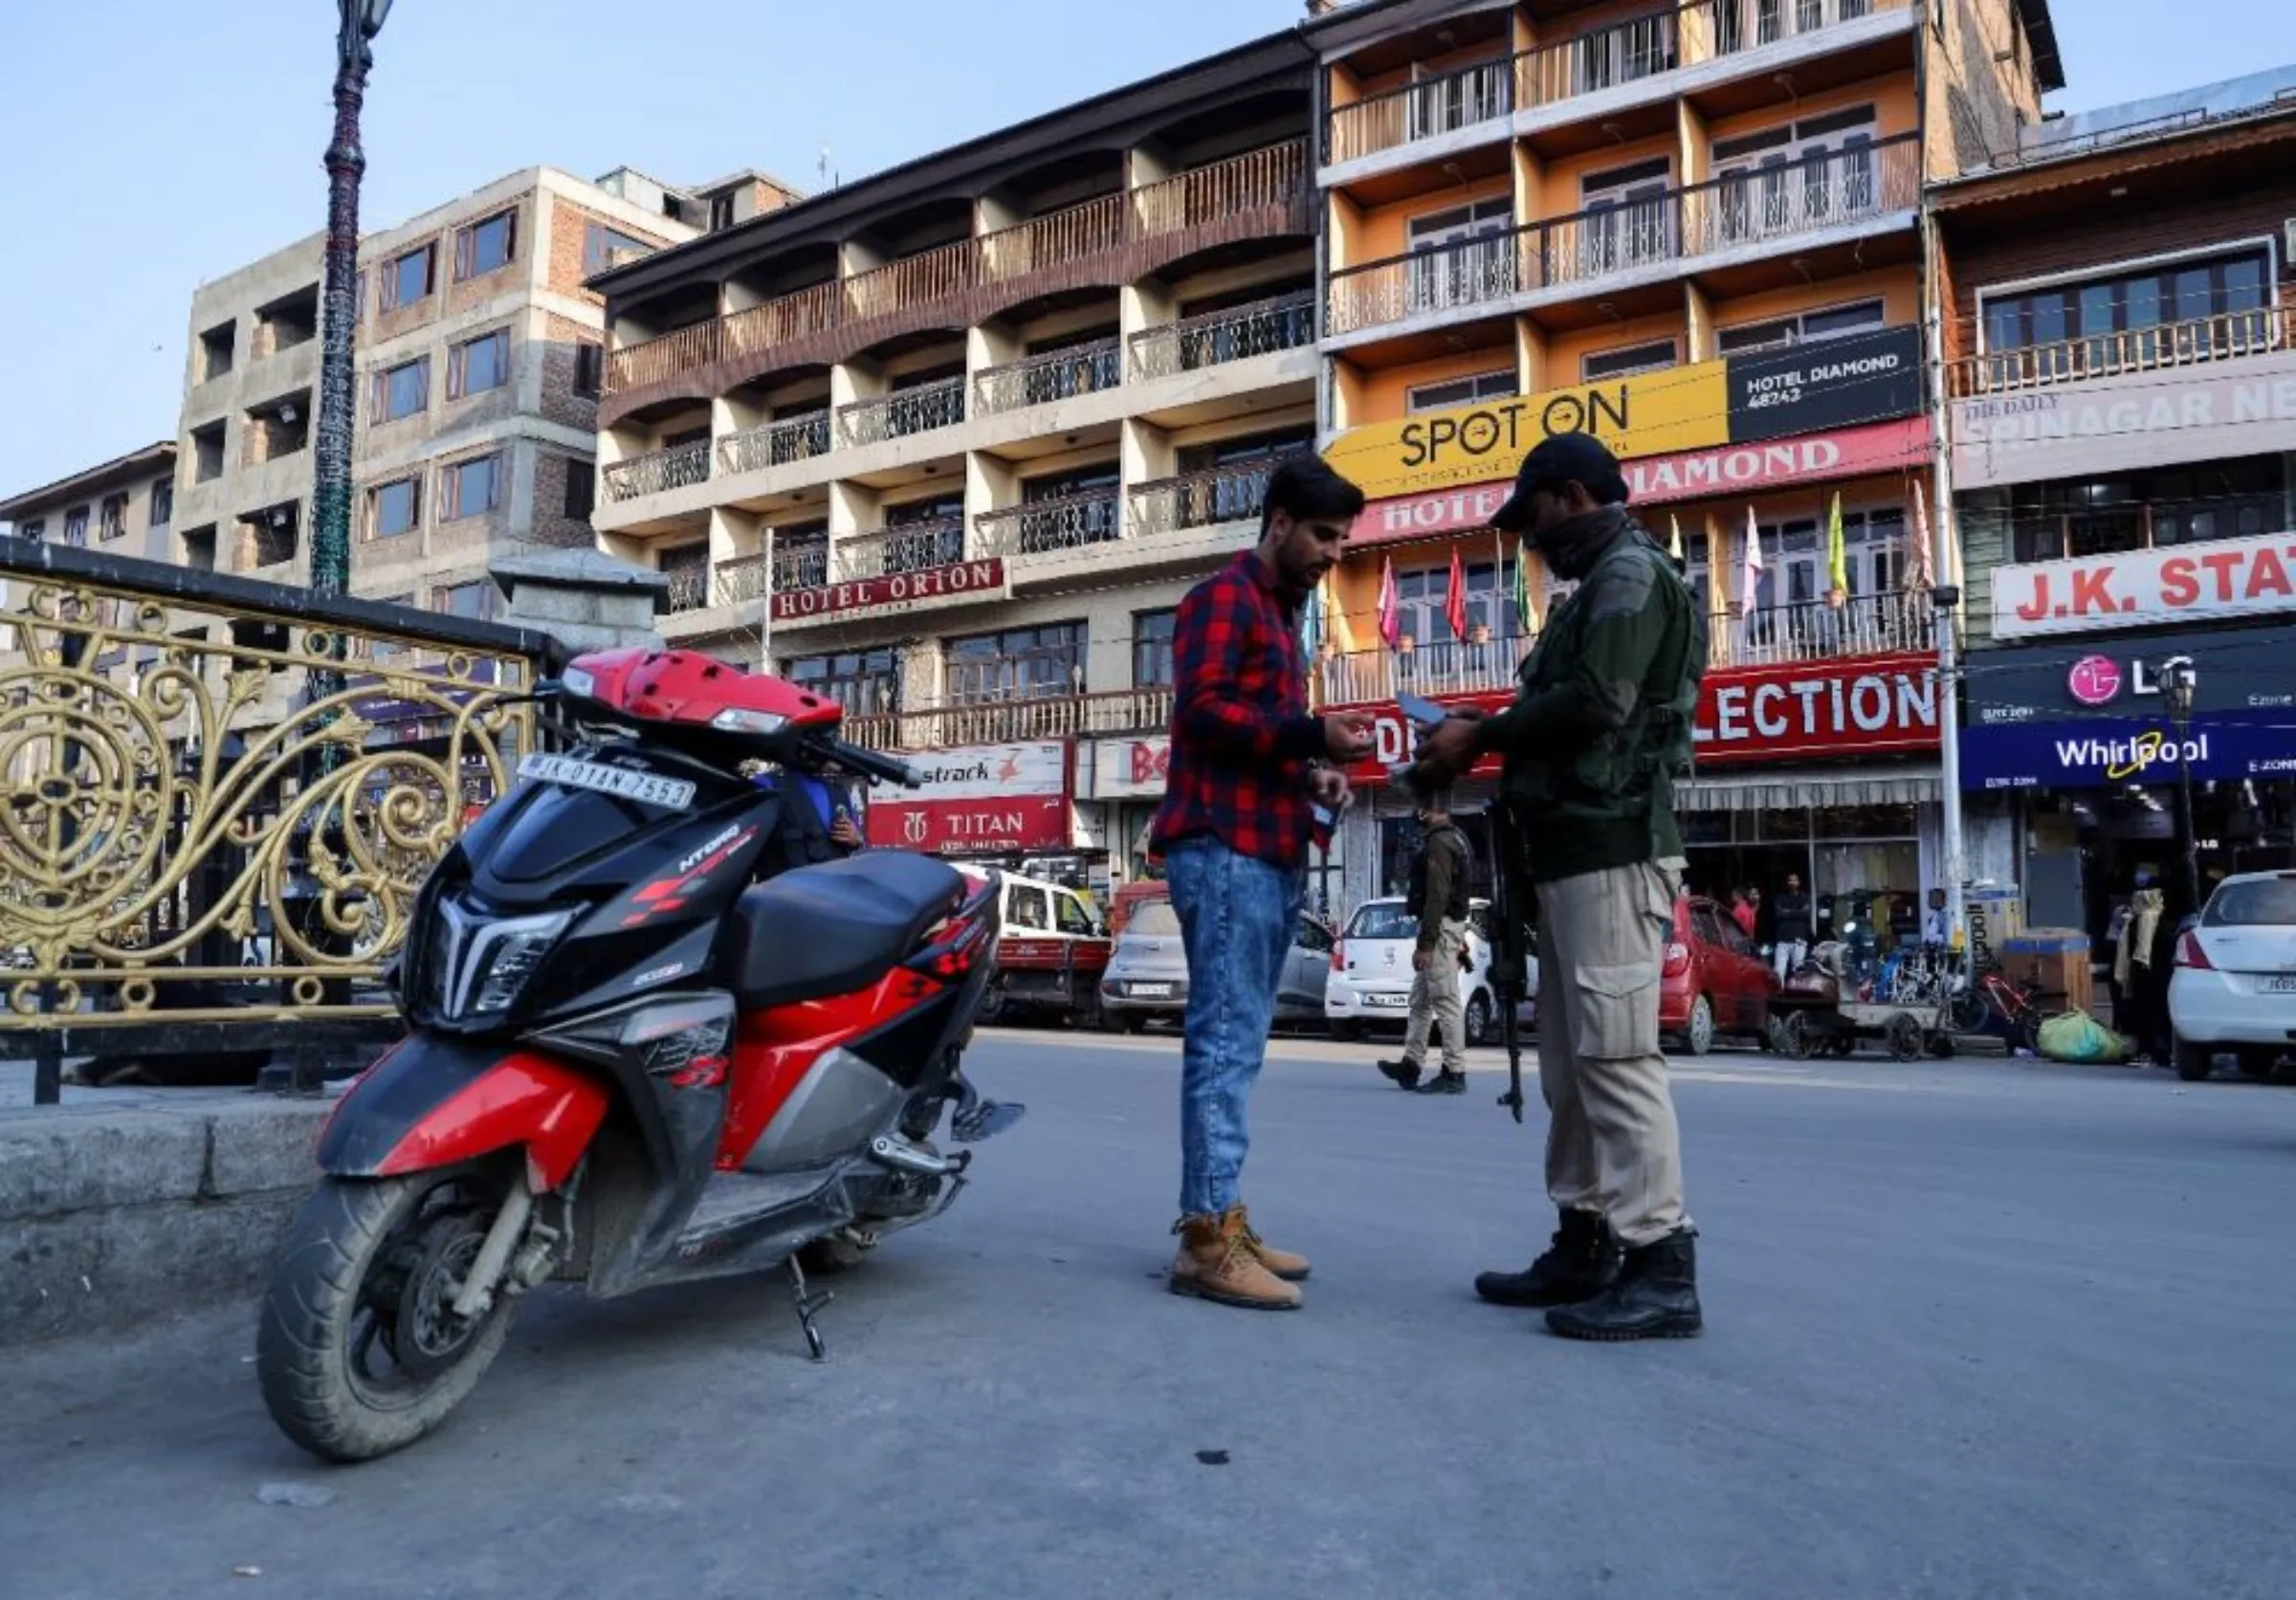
[834, 928]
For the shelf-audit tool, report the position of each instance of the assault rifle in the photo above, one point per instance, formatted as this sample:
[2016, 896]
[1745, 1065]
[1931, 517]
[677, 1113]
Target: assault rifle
[1510, 939]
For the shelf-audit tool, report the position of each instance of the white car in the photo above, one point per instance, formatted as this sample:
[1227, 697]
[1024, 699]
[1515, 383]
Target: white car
[2234, 990]
[1371, 977]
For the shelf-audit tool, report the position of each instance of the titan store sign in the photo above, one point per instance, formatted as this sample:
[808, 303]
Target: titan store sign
[1856, 707]
[2221, 578]
[981, 800]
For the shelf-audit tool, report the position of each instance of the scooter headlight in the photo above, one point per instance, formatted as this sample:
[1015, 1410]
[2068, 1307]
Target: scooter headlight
[478, 965]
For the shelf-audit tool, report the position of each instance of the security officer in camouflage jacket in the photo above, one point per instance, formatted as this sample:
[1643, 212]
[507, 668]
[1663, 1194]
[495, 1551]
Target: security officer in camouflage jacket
[1599, 731]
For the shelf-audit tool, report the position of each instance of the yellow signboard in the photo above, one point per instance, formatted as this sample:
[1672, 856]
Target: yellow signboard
[1682, 407]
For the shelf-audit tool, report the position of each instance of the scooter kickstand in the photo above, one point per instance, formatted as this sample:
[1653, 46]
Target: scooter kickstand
[808, 1302]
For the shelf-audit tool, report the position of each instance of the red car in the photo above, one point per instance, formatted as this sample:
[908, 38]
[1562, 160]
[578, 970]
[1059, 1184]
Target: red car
[1715, 982]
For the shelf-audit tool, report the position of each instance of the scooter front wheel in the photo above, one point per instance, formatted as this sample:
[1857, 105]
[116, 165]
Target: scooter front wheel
[358, 1348]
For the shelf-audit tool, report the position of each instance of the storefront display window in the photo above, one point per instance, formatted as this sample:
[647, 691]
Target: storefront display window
[1861, 864]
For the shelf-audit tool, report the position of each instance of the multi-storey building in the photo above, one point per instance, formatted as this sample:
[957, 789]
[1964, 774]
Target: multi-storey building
[951, 443]
[123, 506]
[2123, 412]
[1694, 230]
[480, 353]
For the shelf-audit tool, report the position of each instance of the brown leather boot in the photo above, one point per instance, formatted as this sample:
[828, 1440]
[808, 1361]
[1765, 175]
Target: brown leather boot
[1217, 1262]
[1286, 1264]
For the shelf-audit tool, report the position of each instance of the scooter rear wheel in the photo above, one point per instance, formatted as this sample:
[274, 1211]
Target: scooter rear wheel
[358, 1349]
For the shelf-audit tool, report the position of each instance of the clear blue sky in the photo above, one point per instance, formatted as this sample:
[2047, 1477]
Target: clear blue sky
[153, 144]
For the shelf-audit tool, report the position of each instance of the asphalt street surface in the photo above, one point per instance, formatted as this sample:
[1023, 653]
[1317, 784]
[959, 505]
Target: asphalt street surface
[1975, 1329]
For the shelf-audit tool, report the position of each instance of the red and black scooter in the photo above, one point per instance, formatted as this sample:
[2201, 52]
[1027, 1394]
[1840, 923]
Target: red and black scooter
[627, 1062]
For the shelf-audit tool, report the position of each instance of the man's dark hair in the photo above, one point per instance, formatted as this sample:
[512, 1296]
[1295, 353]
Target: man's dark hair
[1312, 492]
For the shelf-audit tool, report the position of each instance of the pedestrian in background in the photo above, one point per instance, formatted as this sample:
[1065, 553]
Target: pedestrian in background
[1790, 925]
[1600, 728]
[1249, 772]
[1441, 873]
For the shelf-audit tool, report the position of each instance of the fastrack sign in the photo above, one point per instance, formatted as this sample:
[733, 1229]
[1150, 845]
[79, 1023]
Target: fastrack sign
[982, 800]
[2227, 577]
[1857, 707]
[895, 591]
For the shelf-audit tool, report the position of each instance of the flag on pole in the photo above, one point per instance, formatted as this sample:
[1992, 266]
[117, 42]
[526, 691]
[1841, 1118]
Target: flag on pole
[1521, 595]
[1334, 619]
[1310, 620]
[1922, 570]
[1454, 609]
[1391, 617]
[1837, 558]
[1750, 597]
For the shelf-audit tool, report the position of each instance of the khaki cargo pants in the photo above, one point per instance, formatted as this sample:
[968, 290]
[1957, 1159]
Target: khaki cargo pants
[1612, 1143]
[1435, 1001]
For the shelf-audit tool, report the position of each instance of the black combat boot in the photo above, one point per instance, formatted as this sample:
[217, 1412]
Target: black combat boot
[1578, 1265]
[1404, 1075]
[1654, 1296]
[1444, 1083]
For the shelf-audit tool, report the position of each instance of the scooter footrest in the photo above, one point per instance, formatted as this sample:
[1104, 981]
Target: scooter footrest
[985, 1120]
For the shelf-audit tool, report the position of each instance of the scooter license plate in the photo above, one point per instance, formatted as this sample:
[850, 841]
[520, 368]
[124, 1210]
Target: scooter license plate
[670, 794]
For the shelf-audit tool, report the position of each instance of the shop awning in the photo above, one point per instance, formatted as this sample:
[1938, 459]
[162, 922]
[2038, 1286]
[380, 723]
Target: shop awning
[1786, 788]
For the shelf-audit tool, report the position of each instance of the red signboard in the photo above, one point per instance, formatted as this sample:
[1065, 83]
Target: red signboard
[1859, 707]
[1689, 474]
[986, 799]
[895, 591]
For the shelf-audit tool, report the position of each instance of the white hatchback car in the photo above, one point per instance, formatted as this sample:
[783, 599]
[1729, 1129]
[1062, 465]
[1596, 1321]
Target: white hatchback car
[2234, 990]
[1371, 977]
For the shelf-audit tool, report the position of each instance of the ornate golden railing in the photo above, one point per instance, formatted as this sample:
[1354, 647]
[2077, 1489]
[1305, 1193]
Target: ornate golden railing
[187, 834]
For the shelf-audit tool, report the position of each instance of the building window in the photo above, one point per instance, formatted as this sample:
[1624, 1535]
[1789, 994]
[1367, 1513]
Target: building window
[2133, 302]
[1810, 327]
[589, 370]
[113, 522]
[406, 278]
[381, 651]
[1422, 601]
[604, 249]
[394, 508]
[472, 488]
[402, 390]
[34, 529]
[485, 247]
[582, 489]
[473, 601]
[2149, 508]
[1017, 664]
[478, 365]
[75, 528]
[865, 682]
[1152, 648]
[163, 502]
[1626, 363]
[1497, 385]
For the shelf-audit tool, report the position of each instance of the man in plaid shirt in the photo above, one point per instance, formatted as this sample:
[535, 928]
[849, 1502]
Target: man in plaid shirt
[1247, 783]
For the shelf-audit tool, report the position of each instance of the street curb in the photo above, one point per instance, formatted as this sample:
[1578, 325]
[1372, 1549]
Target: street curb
[113, 1218]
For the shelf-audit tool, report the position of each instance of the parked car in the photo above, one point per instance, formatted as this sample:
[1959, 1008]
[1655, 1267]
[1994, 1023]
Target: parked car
[1147, 978]
[1371, 975]
[1713, 982]
[2233, 991]
[1051, 950]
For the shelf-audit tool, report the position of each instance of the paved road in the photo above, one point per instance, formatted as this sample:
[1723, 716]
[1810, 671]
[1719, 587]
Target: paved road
[1975, 1330]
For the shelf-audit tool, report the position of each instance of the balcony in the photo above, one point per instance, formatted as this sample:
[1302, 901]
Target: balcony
[779, 443]
[689, 589]
[941, 727]
[1216, 338]
[2228, 336]
[658, 471]
[1120, 237]
[1553, 74]
[1039, 380]
[1051, 526]
[1812, 631]
[1456, 667]
[739, 581]
[901, 414]
[1211, 499]
[913, 547]
[1541, 262]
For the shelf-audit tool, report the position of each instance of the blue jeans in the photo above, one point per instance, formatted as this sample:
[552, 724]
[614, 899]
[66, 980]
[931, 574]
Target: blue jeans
[1238, 917]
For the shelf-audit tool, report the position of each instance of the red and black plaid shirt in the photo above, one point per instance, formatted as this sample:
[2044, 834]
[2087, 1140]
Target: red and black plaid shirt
[1241, 734]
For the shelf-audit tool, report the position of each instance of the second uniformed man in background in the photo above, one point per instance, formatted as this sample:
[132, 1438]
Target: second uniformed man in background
[1600, 728]
[1440, 876]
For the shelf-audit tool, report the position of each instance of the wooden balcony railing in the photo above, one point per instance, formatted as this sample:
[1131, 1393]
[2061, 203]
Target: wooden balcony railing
[940, 727]
[1458, 667]
[2226, 336]
[1214, 337]
[1275, 176]
[1812, 631]
[1740, 209]
[1051, 526]
[1053, 375]
[913, 547]
[658, 471]
[1600, 58]
[904, 411]
[1201, 500]
[775, 444]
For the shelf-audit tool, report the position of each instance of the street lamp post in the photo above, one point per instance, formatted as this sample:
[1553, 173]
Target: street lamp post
[2179, 684]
